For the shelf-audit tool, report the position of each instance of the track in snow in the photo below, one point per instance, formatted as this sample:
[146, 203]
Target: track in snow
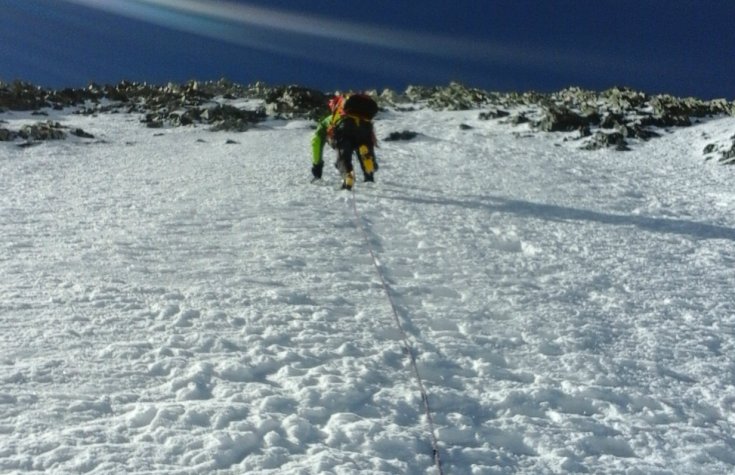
[170, 305]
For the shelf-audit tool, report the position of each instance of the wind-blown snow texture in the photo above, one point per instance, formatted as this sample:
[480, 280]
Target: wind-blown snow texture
[170, 303]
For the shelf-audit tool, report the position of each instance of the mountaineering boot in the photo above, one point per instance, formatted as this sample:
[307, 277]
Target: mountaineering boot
[369, 177]
[349, 180]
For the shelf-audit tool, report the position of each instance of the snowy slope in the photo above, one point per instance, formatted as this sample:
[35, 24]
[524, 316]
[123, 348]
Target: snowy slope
[171, 303]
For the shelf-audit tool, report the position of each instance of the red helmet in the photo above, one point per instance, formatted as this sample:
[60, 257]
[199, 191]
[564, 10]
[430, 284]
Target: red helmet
[334, 103]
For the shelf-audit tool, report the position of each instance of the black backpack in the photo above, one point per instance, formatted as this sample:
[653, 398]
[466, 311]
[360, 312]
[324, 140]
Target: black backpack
[360, 105]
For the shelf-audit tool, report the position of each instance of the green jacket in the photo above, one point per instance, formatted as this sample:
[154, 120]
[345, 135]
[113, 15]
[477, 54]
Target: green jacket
[320, 138]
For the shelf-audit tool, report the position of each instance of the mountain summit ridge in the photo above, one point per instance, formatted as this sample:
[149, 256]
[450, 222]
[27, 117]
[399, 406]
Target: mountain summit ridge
[606, 119]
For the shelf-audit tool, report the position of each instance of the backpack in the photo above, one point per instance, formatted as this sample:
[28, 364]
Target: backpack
[361, 106]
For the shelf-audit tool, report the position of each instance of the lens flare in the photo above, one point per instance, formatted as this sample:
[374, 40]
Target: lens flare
[282, 32]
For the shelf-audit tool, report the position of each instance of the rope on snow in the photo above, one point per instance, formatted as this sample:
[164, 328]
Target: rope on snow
[406, 343]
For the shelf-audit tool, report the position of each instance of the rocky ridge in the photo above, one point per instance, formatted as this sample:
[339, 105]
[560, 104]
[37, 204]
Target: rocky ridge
[607, 119]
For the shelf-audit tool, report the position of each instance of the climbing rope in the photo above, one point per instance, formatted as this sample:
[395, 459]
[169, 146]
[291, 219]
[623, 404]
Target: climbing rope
[406, 343]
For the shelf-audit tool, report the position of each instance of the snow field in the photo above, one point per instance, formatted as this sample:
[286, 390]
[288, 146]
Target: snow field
[172, 303]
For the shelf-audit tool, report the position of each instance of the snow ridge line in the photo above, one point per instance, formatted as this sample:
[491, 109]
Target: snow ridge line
[406, 343]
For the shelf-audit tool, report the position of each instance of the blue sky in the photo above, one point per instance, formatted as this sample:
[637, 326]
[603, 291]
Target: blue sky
[681, 47]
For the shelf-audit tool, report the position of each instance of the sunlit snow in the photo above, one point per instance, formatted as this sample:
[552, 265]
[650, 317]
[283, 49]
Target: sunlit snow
[173, 303]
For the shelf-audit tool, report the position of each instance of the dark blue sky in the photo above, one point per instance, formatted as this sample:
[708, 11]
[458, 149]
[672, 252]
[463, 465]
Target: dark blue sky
[681, 47]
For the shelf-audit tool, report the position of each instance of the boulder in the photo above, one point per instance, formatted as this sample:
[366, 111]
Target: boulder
[493, 114]
[458, 97]
[728, 156]
[455, 96]
[518, 119]
[621, 99]
[561, 119]
[575, 98]
[82, 134]
[601, 140]
[7, 135]
[20, 96]
[611, 120]
[404, 135]
[42, 131]
[296, 102]
[610, 117]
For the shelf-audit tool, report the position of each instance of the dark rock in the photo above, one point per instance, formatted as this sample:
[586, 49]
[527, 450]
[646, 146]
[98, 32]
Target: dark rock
[638, 131]
[120, 92]
[624, 112]
[665, 120]
[624, 99]
[7, 135]
[225, 117]
[728, 156]
[70, 97]
[561, 119]
[81, 133]
[405, 135]
[184, 117]
[518, 119]
[465, 127]
[673, 112]
[419, 93]
[611, 120]
[607, 140]
[455, 96]
[188, 117]
[229, 113]
[296, 102]
[42, 131]
[232, 125]
[20, 96]
[493, 114]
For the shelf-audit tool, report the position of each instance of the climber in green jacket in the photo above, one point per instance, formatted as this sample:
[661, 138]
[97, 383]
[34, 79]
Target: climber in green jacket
[317, 146]
[348, 129]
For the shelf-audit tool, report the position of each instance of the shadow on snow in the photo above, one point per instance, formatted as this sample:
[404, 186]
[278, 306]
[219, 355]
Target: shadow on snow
[549, 212]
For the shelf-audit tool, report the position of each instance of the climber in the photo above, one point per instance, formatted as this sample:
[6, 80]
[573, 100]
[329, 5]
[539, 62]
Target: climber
[349, 130]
